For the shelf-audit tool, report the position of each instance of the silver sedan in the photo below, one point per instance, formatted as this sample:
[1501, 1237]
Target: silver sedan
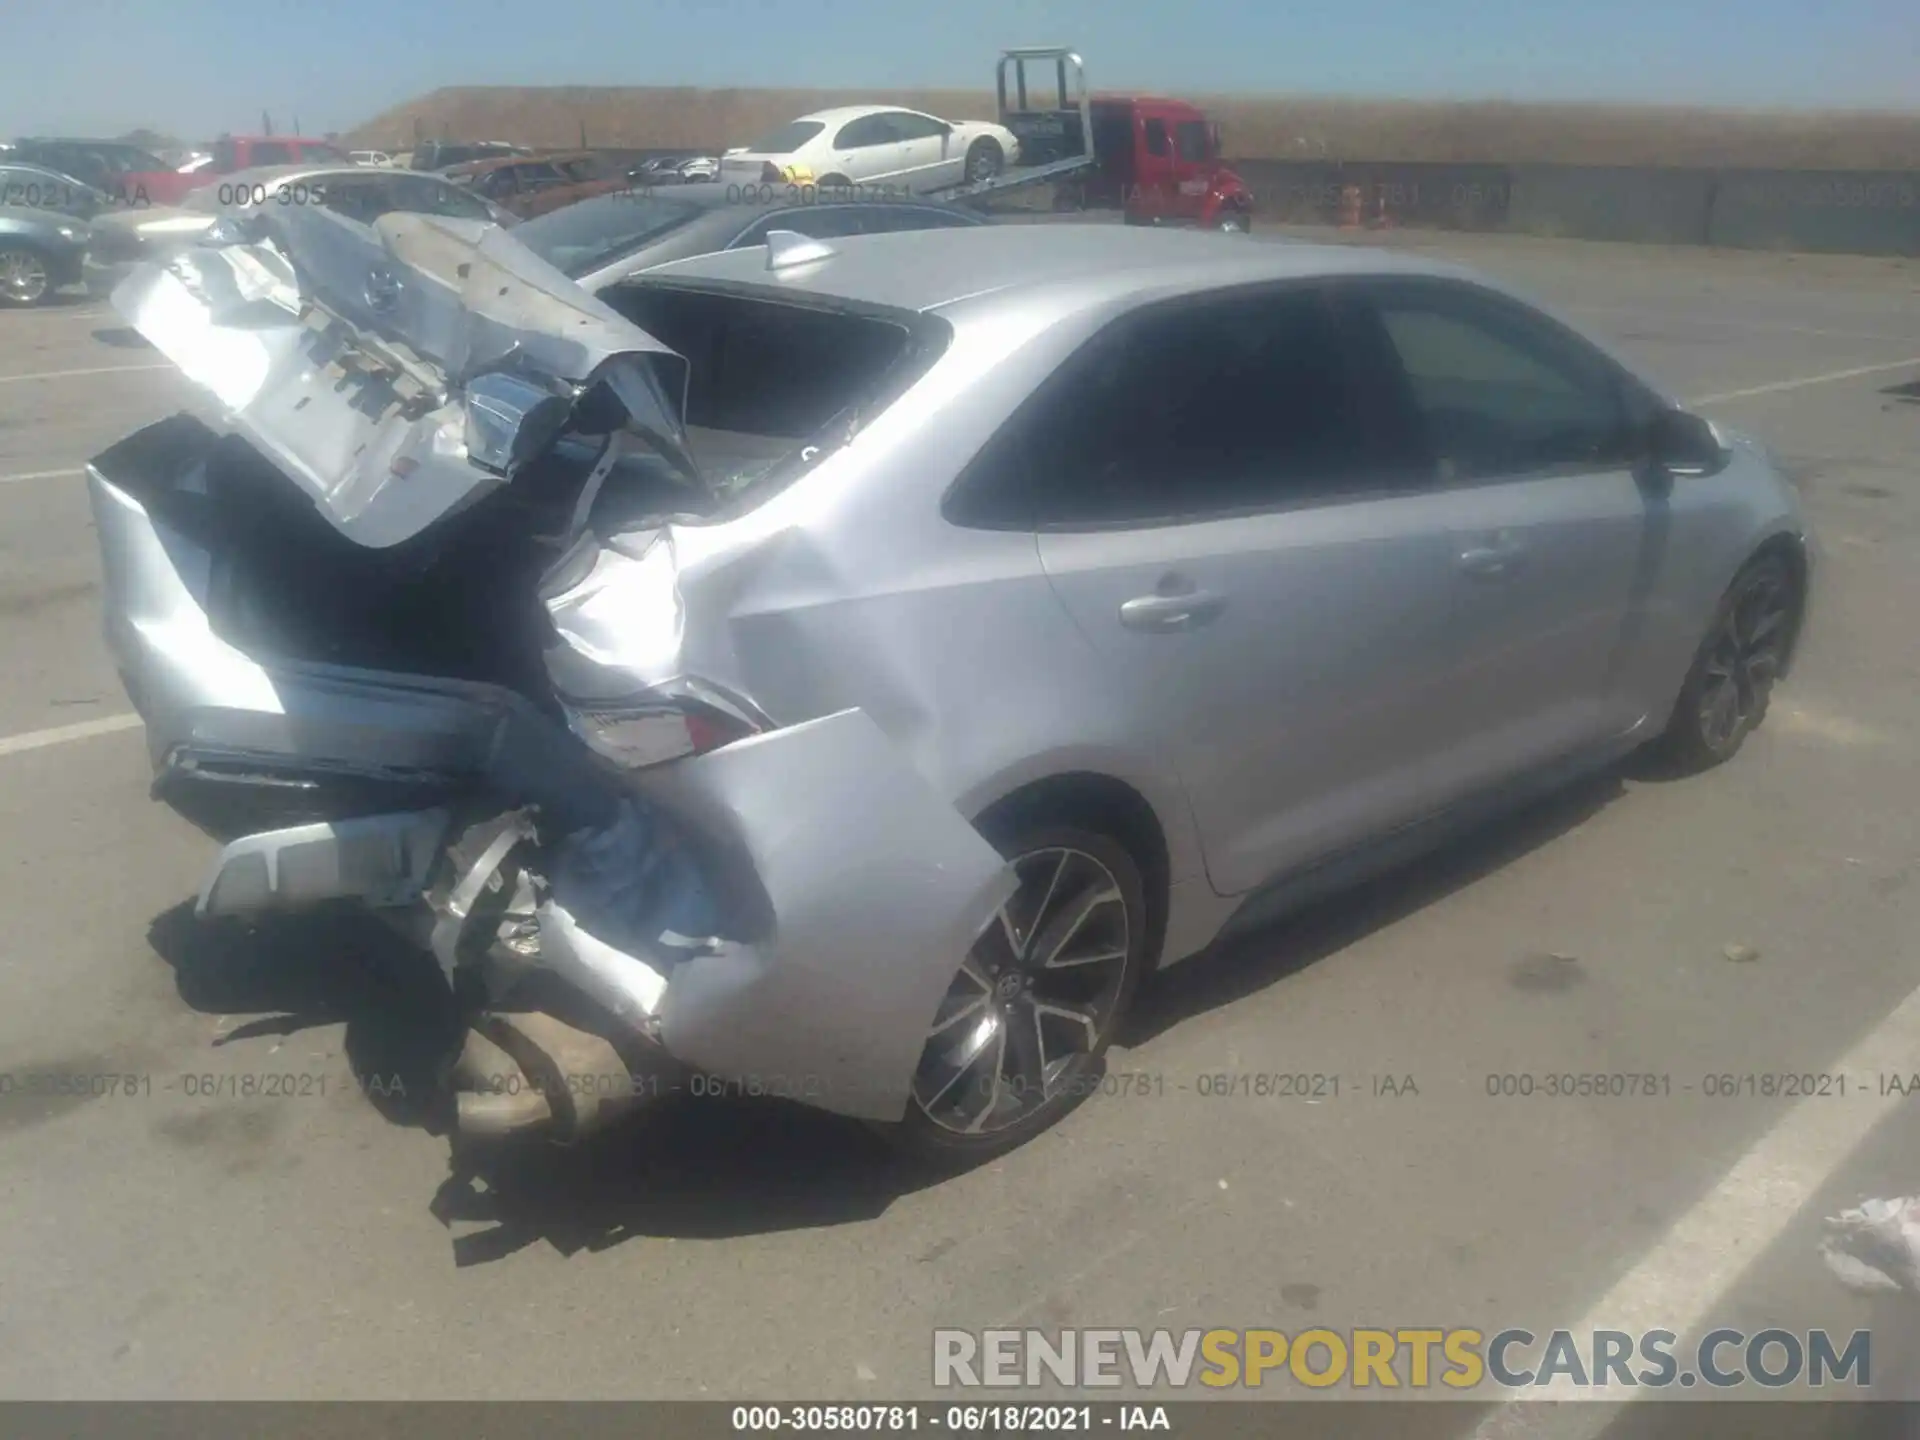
[855, 664]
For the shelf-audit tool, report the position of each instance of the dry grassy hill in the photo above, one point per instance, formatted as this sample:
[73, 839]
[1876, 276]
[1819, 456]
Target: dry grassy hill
[1269, 127]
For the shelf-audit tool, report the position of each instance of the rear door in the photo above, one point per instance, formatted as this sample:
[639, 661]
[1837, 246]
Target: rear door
[1554, 541]
[1255, 558]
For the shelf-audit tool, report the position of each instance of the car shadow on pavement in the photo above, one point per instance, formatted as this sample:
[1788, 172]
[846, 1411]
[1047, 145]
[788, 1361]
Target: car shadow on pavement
[122, 337]
[1245, 963]
[331, 967]
[686, 1167]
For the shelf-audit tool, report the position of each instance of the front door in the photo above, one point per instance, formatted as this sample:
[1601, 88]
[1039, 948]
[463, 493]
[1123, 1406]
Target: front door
[929, 158]
[1553, 537]
[1150, 195]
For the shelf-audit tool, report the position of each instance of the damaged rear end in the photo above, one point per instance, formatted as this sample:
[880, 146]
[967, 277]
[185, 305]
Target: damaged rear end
[407, 631]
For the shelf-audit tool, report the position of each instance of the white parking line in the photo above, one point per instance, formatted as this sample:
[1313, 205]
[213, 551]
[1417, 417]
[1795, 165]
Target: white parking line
[94, 370]
[1826, 379]
[1677, 1284]
[61, 734]
[39, 475]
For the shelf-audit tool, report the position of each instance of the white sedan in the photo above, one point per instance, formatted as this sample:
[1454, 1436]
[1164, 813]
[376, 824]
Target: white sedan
[874, 145]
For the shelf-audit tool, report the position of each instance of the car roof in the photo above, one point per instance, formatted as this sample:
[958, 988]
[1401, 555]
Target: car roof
[498, 162]
[929, 269]
[721, 213]
[274, 174]
[852, 112]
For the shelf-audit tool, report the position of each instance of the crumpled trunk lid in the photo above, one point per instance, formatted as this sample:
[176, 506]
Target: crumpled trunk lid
[397, 373]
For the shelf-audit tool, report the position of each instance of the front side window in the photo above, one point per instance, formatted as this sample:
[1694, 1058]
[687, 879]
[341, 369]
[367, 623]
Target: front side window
[867, 130]
[270, 152]
[908, 126]
[1157, 137]
[1191, 140]
[1499, 391]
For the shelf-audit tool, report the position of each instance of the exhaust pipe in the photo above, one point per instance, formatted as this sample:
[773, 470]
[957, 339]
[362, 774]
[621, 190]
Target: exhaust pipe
[531, 1072]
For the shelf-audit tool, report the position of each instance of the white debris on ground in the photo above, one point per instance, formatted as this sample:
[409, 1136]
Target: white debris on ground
[1874, 1248]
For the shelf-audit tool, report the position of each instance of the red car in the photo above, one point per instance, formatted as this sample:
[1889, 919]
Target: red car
[234, 153]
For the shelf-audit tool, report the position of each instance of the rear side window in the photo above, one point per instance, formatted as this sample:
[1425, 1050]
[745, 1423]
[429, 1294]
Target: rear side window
[773, 386]
[1500, 391]
[1221, 405]
[917, 217]
[787, 139]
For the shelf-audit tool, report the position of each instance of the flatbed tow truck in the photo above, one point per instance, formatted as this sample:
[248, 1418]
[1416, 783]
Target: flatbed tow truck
[1156, 160]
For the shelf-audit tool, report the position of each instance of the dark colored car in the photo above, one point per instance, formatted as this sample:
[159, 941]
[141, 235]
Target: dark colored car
[40, 250]
[35, 187]
[603, 240]
[684, 169]
[439, 154]
[533, 185]
[133, 177]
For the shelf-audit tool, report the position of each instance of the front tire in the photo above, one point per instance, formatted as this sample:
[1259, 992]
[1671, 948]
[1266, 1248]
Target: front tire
[1019, 1038]
[26, 276]
[985, 159]
[1232, 220]
[1726, 692]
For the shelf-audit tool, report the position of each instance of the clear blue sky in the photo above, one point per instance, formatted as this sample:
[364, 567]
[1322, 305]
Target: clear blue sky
[196, 67]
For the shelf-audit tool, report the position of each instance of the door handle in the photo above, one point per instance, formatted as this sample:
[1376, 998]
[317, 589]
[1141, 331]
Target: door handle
[1171, 612]
[1493, 562]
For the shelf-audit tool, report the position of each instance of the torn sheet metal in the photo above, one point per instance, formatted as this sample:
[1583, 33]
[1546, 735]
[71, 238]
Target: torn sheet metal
[345, 353]
[1874, 1247]
[852, 891]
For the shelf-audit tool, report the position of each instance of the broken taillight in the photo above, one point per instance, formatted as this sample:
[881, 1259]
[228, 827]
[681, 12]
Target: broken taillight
[640, 734]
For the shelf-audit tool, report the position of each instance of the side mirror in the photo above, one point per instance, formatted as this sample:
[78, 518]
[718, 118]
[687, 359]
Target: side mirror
[510, 421]
[1681, 443]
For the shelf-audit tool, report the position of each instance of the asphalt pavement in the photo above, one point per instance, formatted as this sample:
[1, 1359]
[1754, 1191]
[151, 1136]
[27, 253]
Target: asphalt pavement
[193, 1236]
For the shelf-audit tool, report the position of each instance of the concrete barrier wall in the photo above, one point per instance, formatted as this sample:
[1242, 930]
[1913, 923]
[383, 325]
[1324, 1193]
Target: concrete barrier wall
[1591, 203]
[1855, 212]
[1860, 212]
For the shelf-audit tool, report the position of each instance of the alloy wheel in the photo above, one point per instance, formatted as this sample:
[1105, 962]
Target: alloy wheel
[23, 277]
[1032, 1001]
[983, 164]
[1743, 659]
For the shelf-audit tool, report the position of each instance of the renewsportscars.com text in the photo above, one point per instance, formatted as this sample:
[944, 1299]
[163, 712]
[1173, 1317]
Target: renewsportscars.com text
[1446, 1361]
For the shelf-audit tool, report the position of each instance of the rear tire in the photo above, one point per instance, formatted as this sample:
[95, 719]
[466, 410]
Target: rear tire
[26, 275]
[1022, 1033]
[1726, 693]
